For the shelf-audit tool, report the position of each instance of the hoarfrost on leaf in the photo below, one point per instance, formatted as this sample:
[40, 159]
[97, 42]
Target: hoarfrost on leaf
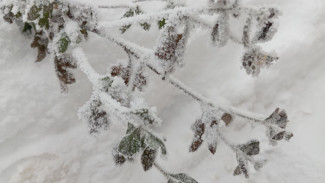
[255, 59]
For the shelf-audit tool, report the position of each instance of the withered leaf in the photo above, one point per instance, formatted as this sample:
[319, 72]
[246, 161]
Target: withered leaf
[227, 118]
[237, 171]
[278, 117]
[62, 66]
[215, 32]
[119, 159]
[213, 148]
[167, 49]
[198, 129]
[242, 164]
[124, 73]
[279, 136]
[251, 148]
[40, 42]
[9, 17]
[148, 158]
[265, 30]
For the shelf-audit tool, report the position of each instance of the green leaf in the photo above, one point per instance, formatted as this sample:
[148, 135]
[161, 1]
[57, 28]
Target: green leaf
[131, 144]
[131, 127]
[106, 83]
[34, 13]
[64, 43]
[84, 32]
[44, 22]
[145, 26]
[161, 23]
[129, 13]
[155, 143]
[138, 11]
[27, 27]
[18, 15]
[148, 158]
[47, 13]
[183, 178]
[124, 28]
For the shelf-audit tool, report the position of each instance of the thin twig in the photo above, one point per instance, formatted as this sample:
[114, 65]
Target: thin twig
[201, 22]
[233, 147]
[137, 1]
[162, 171]
[115, 7]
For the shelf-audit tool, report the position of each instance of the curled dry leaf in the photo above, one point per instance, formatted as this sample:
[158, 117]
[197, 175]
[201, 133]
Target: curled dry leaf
[40, 42]
[227, 118]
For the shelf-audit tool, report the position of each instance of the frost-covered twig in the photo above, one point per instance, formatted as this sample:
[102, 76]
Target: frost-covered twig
[147, 53]
[114, 6]
[179, 11]
[199, 21]
[180, 178]
[85, 66]
[136, 1]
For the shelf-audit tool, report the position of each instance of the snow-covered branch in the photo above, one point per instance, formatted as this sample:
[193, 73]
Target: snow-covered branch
[121, 6]
[58, 27]
[146, 53]
[178, 11]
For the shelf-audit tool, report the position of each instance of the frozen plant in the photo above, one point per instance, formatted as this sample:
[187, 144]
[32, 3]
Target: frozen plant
[59, 26]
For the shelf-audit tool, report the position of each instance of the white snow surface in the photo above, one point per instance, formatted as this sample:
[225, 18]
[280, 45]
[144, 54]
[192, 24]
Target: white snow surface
[43, 141]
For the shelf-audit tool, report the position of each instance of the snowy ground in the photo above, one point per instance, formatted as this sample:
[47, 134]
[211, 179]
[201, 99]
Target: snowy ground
[43, 141]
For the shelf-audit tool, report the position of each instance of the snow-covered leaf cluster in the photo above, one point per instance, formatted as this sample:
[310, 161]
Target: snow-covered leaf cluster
[58, 27]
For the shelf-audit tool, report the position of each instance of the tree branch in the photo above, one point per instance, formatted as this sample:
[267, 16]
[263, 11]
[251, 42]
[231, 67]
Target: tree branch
[148, 56]
[162, 14]
[137, 1]
[122, 6]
